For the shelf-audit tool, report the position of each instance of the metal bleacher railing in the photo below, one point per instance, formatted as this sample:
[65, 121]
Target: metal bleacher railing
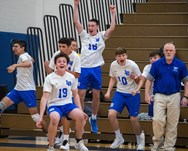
[43, 50]
[37, 51]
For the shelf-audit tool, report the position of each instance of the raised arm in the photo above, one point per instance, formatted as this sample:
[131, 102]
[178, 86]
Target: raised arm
[77, 23]
[113, 21]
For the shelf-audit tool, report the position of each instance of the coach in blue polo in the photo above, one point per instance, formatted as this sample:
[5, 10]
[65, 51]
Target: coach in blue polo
[167, 75]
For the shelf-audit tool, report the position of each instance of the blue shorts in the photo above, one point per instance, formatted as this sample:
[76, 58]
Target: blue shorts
[132, 103]
[62, 110]
[28, 97]
[91, 77]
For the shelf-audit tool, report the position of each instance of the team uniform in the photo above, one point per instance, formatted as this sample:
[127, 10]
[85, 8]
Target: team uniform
[122, 96]
[145, 73]
[24, 90]
[60, 89]
[74, 63]
[91, 60]
[167, 85]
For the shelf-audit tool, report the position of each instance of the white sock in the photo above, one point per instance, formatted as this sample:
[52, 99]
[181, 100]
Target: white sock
[138, 138]
[118, 133]
[66, 137]
[61, 128]
[94, 117]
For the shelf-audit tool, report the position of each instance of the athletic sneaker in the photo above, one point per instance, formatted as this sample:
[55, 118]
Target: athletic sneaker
[76, 145]
[154, 148]
[93, 123]
[117, 142]
[158, 145]
[59, 139]
[80, 146]
[65, 145]
[50, 148]
[141, 142]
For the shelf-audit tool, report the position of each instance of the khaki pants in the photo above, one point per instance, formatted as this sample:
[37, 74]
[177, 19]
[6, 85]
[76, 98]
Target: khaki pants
[165, 120]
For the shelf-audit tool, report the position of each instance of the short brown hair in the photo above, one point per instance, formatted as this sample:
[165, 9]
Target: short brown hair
[120, 51]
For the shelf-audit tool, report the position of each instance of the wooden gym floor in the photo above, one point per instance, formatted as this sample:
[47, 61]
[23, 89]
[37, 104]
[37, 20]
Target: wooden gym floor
[19, 143]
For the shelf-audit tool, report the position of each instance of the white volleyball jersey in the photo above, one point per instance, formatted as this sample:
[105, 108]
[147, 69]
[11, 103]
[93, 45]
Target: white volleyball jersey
[60, 88]
[145, 73]
[146, 70]
[92, 48]
[25, 79]
[122, 74]
[74, 64]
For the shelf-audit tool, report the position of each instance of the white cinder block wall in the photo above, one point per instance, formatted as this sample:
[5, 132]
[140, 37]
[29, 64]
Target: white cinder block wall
[18, 15]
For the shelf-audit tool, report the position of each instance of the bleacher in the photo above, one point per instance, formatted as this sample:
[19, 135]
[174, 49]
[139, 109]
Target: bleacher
[153, 24]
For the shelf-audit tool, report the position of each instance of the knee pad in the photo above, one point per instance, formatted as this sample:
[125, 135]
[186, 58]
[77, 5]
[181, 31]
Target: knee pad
[2, 107]
[35, 117]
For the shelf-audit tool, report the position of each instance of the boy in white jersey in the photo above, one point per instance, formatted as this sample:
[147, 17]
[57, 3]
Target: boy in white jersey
[59, 88]
[74, 68]
[25, 88]
[74, 45]
[93, 44]
[121, 73]
[64, 45]
[153, 56]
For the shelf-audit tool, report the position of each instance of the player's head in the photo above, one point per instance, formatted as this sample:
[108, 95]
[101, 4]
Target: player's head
[154, 56]
[121, 55]
[64, 44]
[93, 26]
[73, 44]
[18, 46]
[169, 51]
[61, 61]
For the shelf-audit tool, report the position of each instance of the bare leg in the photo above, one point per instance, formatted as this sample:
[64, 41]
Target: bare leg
[78, 116]
[95, 101]
[82, 94]
[136, 125]
[66, 126]
[34, 111]
[112, 115]
[7, 101]
[52, 128]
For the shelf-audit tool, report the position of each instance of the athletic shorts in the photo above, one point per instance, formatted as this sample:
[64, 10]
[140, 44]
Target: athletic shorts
[62, 110]
[28, 97]
[91, 77]
[132, 103]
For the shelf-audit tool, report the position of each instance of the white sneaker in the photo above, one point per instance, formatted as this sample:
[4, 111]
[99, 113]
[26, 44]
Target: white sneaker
[141, 142]
[76, 145]
[80, 146]
[154, 148]
[59, 139]
[117, 142]
[65, 145]
[50, 149]
[158, 145]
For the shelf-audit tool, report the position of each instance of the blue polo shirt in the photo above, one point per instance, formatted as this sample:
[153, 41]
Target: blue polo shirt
[167, 77]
